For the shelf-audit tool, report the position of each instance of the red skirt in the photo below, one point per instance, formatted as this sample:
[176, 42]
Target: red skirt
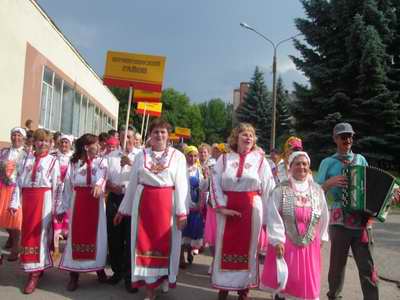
[153, 243]
[237, 233]
[85, 219]
[31, 231]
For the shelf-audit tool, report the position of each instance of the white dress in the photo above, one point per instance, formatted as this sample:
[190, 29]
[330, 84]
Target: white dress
[240, 174]
[76, 177]
[174, 175]
[47, 176]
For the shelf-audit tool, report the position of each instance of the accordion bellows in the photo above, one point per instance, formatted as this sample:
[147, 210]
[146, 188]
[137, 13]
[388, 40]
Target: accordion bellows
[370, 190]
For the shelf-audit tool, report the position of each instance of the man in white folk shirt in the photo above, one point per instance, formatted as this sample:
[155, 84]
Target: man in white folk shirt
[119, 162]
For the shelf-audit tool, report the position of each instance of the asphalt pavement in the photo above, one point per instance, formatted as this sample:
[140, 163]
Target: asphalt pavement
[194, 283]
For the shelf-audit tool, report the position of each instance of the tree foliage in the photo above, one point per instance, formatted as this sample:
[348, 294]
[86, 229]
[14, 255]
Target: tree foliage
[209, 121]
[256, 108]
[350, 58]
[217, 120]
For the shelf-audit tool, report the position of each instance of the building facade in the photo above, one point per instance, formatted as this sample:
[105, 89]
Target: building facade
[45, 79]
[240, 93]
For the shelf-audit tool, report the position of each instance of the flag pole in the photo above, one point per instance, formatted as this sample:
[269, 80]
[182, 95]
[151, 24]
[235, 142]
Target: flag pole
[143, 118]
[127, 116]
[147, 125]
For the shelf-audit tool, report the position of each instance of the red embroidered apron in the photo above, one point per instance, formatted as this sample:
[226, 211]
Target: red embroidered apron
[85, 219]
[237, 233]
[32, 211]
[153, 243]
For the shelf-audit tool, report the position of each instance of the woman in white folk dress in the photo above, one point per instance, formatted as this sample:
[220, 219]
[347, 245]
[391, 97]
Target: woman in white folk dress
[35, 192]
[241, 183]
[84, 185]
[157, 200]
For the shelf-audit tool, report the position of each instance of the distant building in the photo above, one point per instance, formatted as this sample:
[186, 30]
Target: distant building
[240, 93]
[45, 79]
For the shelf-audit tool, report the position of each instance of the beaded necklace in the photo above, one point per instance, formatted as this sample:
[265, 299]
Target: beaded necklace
[158, 164]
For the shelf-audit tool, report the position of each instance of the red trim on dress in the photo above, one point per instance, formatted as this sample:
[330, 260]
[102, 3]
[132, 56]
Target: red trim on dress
[242, 160]
[35, 167]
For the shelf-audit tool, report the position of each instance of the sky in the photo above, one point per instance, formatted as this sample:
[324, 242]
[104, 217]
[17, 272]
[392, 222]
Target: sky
[208, 53]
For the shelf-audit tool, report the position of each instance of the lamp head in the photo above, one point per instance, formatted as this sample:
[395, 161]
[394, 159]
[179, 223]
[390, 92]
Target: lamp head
[244, 25]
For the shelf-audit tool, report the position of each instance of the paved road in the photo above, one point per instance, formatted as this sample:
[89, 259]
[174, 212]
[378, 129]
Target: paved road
[193, 283]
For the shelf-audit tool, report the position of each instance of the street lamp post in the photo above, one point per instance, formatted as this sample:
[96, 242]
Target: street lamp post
[275, 47]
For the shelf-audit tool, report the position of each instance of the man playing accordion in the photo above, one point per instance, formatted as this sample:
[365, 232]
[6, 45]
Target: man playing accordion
[347, 229]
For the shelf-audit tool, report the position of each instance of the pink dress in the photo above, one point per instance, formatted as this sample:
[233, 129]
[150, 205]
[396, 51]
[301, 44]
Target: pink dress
[304, 262]
[263, 241]
[210, 229]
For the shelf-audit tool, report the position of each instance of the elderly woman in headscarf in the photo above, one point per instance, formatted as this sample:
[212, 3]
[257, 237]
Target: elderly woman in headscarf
[10, 158]
[297, 222]
[292, 144]
[193, 233]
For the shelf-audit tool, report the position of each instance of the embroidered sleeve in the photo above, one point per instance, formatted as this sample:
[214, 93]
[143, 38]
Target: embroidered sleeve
[267, 185]
[56, 187]
[216, 181]
[67, 193]
[181, 182]
[102, 173]
[16, 195]
[125, 208]
[324, 217]
[275, 225]
[15, 202]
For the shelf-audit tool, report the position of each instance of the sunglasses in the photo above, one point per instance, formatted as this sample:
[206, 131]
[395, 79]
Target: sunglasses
[346, 136]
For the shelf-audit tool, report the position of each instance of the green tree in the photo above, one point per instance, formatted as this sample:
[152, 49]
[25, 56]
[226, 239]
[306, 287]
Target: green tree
[217, 120]
[122, 95]
[178, 111]
[283, 115]
[353, 67]
[256, 108]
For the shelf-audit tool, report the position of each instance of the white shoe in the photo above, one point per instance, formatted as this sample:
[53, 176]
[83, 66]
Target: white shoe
[165, 286]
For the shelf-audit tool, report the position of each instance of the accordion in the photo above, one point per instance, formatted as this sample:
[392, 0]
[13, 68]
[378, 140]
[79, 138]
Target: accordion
[370, 190]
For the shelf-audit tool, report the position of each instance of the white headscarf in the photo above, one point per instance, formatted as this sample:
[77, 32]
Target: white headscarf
[19, 130]
[67, 137]
[296, 154]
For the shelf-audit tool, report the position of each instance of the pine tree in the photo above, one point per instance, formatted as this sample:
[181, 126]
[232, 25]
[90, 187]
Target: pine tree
[353, 66]
[283, 116]
[256, 109]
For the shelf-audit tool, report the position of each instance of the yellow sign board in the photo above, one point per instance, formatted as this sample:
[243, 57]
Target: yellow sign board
[146, 96]
[182, 132]
[140, 71]
[149, 108]
[174, 137]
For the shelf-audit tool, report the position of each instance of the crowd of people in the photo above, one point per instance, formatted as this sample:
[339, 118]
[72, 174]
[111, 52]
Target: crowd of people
[149, 210]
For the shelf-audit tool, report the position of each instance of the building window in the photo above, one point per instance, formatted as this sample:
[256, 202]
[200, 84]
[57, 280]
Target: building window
[77, 109]
[55, 115]
[83, 115]
[67, 109]
[90, 118]
[63, 108]
[46, 98]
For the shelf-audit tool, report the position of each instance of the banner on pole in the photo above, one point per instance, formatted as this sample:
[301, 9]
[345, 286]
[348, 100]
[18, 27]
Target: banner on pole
[140, 71]
[173, 137]
[183, 132]
[149, 108]
[146, 96]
